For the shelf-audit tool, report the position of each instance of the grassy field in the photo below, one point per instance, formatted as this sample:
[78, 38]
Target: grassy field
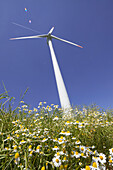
[41, 138]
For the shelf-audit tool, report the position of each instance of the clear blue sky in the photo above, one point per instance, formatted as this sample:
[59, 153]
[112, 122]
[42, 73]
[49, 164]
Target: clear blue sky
[87, 72]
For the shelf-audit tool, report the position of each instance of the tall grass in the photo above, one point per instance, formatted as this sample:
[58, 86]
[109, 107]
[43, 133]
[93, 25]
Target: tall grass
[40, 138]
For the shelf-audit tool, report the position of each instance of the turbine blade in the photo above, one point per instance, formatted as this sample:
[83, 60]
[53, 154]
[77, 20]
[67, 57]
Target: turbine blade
[36, 36]
[57, 38]
[25, 27]
[51, 30]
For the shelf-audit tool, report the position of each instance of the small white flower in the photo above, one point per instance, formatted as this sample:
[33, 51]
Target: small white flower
[55, 118]
[82, 149]
[56, 161]
[60, 141]
[77, 155]
[55, 148]
[102, 158]
[77, 142]
[67, 133]
[44, 140]
[111, 151]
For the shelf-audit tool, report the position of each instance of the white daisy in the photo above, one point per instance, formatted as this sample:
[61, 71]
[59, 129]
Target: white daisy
[60, 141]
[55, 118]
[57, 162]
[55, 148]
[44, 140]
[77, 155]
[77, 142]
[111, 151]
[102, 158]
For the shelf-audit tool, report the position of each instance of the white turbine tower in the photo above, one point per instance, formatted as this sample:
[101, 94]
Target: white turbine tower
[64, 99]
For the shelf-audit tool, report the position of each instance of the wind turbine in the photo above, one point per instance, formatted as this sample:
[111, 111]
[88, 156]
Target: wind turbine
[64, 99]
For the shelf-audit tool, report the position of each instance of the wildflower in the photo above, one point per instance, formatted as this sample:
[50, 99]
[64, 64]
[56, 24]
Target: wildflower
[31, 153]
[35, 110]
[87, 168]
[63, 138]
[19, 146]
[72, 154]
[82, 154]
[17, 158]
[111, 151]
[80, 163]
[62, 132]
[56, 161]
[55, 118]
[40, 103]
[43, 168]
[30, 148]
[55, 148]
[82, 149]
[64, 159]
[6, 148]
[102, 158]
[8, 138]
[15, 148]
[22, 141]
[73, 137]
[67, 133]
[44, 140]
[37, 148]
[21, 101]
[77, 142]
[60, 141]
[77, 155]
[67, 123]
[24, 106]
[55, 140]
[110, 162]
[57, 154]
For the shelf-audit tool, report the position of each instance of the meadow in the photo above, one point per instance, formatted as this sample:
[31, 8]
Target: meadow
[42, 138]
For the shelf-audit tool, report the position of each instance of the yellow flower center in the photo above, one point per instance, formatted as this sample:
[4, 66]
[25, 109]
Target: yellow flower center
[61, 137]
[65, 166]
[82, 154]
[30, 146]
[38, 147]
[55, 147]
[58, 153]
[112, 149]
[31, 152]
[101, 157]
[68, 122]
[94, 164]
[87, 168]
[64, 158]
[76, 153]
[15, 147]
[43, 168]
[110, 161]
[72, 153]
[60, 140]
[57, 160]
[16, 155]
[8, 137]
[82, 149]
